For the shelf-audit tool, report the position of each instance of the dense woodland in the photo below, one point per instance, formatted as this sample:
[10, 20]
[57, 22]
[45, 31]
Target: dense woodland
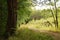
[19, 20]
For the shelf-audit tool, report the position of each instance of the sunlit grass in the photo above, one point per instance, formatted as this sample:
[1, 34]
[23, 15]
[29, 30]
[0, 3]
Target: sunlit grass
[37, 24]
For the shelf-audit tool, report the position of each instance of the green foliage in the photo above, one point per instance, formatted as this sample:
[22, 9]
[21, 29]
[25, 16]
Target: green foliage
[3, 15]
[24, 10]
[41, 14]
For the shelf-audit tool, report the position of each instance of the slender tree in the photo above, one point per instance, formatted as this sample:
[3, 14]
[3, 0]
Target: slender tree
[56, 17]
[56, 14]
[12, 19]
[52, 12]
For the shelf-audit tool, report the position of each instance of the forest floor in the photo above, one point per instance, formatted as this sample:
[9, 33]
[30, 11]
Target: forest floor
[56, 35]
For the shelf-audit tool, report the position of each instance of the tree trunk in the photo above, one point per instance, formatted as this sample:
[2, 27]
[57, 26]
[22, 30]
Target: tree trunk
[1, 17]
[12, 18]
[56, 14]
[53, 16]
[1, 13]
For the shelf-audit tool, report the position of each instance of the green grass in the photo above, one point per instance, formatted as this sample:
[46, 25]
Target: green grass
[26, 34]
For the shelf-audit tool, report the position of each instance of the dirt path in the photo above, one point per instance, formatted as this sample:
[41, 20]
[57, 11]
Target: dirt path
[56, 35]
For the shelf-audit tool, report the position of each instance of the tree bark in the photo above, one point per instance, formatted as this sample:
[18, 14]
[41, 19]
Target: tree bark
[12, 18]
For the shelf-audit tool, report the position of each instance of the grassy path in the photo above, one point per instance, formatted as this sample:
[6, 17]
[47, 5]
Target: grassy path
[56, 35]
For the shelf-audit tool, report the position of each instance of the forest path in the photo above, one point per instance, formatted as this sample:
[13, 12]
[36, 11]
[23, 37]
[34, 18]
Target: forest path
[55, 35]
